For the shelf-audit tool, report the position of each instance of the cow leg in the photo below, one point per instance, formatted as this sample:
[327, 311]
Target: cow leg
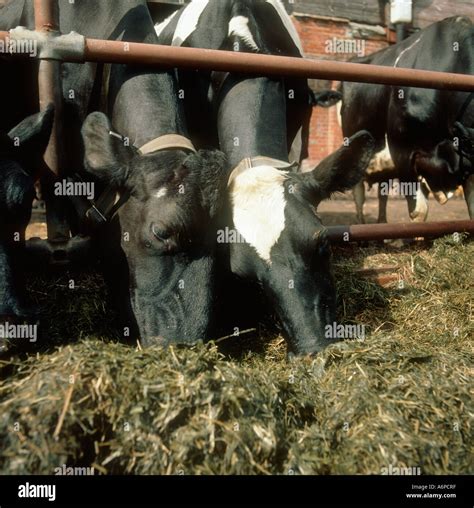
[383, 200]
[418, 205]
[359, 198]
[468, 188]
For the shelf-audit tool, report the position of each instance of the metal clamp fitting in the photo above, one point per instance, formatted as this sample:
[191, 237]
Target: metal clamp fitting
[52, 45]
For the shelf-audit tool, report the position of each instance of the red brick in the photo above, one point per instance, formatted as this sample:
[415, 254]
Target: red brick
[325, 132]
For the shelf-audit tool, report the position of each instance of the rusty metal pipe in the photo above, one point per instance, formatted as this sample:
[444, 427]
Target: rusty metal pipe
[229, 61]
[46, 15]
[164, 56]
[47, 20]
[367, 232]
[50, 92]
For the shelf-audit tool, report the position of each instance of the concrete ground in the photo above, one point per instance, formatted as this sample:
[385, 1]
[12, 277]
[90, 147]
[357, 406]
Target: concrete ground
[342, 210]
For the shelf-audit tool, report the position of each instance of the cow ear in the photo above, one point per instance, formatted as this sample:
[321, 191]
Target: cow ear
[106, 154]
[341, 170]
[212, 168]
[31, 137]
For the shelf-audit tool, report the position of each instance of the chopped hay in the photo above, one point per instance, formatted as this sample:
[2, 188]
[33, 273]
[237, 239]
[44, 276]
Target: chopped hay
[401, 397]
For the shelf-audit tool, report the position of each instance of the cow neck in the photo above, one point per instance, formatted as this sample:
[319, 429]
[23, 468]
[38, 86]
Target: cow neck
[142, 103]
[253, 145]
[147, 107]
[252, 120]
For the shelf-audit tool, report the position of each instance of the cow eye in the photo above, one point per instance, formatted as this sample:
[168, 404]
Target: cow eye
[160, 234]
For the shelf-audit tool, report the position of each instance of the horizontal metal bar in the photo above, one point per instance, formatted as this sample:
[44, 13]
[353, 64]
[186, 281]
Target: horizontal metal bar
[229, 61]
[97, 50]
[367, 232]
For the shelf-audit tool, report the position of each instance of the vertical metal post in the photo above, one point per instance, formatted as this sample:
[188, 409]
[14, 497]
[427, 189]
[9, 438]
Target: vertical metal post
[50, 92]
[401, 31]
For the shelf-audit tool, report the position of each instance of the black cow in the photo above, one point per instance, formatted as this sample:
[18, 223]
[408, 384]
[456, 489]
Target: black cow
[421, 124]
[17, 165]
[272, 208]
[158, 250]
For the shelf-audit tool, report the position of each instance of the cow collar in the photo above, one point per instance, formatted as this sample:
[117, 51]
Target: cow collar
[253, 162]
[167, 142]
[109, 203]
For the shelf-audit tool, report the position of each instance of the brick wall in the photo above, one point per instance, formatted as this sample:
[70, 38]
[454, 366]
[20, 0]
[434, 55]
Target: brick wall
[325, 133]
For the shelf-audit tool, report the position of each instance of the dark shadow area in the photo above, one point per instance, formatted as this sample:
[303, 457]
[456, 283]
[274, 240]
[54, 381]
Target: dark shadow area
[72, 304]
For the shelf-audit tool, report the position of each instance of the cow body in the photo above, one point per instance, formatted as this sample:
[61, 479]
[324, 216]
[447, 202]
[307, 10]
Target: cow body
[237, 26]
[158, 251]
[16, 196]
[272, 207]
[420, 124]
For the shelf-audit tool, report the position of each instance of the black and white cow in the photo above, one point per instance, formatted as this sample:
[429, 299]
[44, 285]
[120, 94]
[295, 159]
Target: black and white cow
[271, 207]
[17, 165]
[236, 26]
[158, 250]
[420, 125]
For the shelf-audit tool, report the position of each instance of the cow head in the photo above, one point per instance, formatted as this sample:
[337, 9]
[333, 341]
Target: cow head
[286, 248]
[439, 167]
[166, 230]
[20, 152]
[449, 163]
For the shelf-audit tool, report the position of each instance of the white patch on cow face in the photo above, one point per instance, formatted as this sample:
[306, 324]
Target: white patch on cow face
[239, 27]
[161, 193]
[286, 20]
[188, 21]
[258, 207]
[159, 27]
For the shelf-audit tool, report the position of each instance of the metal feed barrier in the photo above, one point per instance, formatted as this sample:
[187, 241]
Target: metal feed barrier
[55, 48]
